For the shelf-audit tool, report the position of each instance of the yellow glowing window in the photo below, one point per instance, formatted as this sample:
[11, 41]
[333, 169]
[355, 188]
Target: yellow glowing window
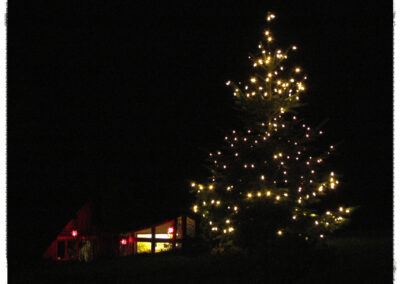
[146, 236]
[158, 236]
[160, 247]
[143, 247]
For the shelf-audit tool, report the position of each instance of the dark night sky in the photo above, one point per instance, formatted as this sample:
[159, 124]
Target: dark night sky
[125, 99]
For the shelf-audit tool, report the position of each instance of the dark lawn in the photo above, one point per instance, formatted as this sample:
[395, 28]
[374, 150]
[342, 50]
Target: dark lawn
[356, 259]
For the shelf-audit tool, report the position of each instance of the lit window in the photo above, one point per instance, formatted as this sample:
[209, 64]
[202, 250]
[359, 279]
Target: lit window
[160, 247]
[143, 247]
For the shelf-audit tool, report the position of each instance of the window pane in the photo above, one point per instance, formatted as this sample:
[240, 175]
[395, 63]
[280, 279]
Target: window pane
[61, 249]
[71, 250]
[160, 247]
[146, 236]
[143, 247]
[85, 250]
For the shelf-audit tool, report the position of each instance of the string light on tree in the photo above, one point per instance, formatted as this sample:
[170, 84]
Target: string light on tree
[268, 167]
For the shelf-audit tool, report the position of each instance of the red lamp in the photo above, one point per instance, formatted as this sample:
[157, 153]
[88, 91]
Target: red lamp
[170, 230]
[123, 242]
[74, 233]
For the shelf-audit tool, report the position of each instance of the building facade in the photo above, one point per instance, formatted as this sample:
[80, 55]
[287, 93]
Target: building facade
[80, 240]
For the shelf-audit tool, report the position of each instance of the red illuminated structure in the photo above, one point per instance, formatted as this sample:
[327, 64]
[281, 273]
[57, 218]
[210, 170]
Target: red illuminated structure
[81, 240]
[78, 240]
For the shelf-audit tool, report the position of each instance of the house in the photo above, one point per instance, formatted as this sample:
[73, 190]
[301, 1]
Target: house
[78, 240]
[161, 237]
[83, 241]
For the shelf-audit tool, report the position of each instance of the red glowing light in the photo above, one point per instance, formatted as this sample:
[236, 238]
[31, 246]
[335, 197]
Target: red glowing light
[74, 233]
[123, 242]
[170, 230]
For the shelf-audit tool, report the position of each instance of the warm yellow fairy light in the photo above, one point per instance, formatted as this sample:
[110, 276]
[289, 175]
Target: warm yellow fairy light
[294, 217]
[316, 223]
[297, 70]
[235, 208]
[258, 194]
[218, 202]
[268, 193]
[341, 209]
[294, 47]
[193, 184]
[321, 188]
[278, 197]
[321, 236]
[230, 229]
[347, 210]
[249, 195]
[253, 80]
[227, 221]
[195, 208]
[211, 187]
[200, 187]
[279, 232]
[262, 177]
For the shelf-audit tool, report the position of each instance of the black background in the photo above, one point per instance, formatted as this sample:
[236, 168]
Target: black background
[125, 98]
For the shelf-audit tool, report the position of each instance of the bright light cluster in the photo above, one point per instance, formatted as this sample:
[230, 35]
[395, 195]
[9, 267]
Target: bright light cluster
[273, 162]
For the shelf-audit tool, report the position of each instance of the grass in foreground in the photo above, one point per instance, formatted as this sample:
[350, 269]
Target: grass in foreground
[361, 259]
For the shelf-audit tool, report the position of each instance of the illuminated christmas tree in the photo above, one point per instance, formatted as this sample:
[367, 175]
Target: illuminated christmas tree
[267, 180]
